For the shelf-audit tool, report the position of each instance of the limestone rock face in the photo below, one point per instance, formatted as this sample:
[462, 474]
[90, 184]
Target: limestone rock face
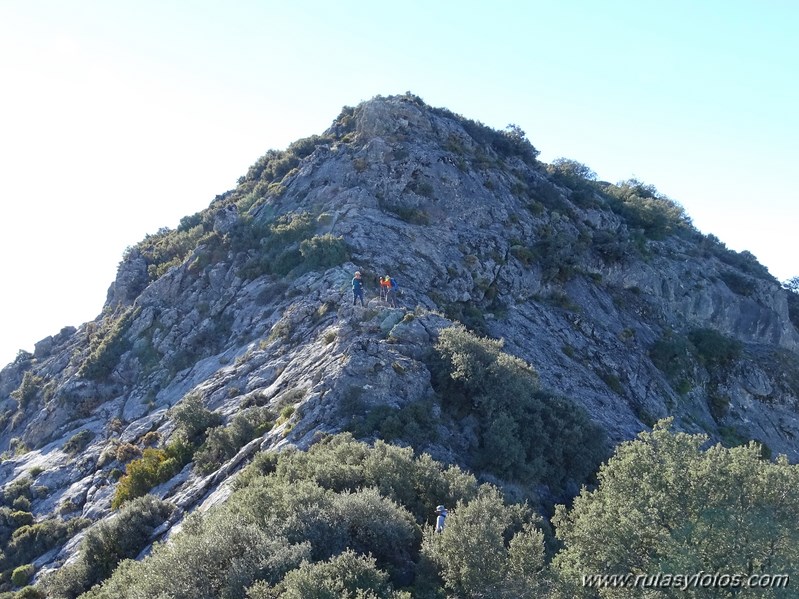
[250, 306]
[131, 279]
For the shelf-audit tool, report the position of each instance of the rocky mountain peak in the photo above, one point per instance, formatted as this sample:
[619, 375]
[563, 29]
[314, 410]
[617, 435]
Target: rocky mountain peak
[236, 333]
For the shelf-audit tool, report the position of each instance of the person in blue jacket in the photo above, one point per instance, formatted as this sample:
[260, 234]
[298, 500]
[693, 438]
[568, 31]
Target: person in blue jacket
[357, 288]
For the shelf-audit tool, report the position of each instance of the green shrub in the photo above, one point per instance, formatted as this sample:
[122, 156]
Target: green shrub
[645, 208]
[522, 254]
[558, 252]
[340, 463]
[345, 576]
[22, 574]
[738, 283]
[78, 442]
[32, 540]
[323, 251]
[154, 467]
[421, 187]
[29, 593]
[409, 214]
[279, 245]
[713, 348]
[212, 557]
[673, 354]
[512, 142]
[412, 423]
[107, 346]
[187, 223]
[28, 389]
[20, 487]
[663, 502]
[217, 448]
[489, 549]
[20, 518]
[223, 442]
[22, 504]
[275, 164]
[468, 315]
[744, 261]
[168, 247]
[611, 380]
[577, 177]
[192, 418]
[718, 402]
[108, 543]
[524, 433]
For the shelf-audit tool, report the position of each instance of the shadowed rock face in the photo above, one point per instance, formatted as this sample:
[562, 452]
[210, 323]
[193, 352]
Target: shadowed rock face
[250, 304]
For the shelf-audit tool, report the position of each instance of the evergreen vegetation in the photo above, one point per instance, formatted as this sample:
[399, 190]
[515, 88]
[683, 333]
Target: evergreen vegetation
[682, 357]
[346, 519]
[28, 389]
[106, 544]
[665, 505]
[107, 346]
[524, 432]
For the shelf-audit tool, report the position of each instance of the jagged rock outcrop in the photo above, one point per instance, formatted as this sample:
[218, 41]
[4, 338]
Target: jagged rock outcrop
[248, 304]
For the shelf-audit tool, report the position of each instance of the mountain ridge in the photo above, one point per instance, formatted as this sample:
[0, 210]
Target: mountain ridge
[622, 308]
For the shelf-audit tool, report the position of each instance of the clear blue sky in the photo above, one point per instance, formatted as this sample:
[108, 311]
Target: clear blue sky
[118, 118]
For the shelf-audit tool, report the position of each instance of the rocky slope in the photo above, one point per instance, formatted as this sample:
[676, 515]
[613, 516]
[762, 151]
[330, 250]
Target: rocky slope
[606, 290]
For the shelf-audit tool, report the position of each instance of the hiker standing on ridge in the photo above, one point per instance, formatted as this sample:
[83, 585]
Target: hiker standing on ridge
[357, 288]
[391, 290]
[442, 515]
[385, 286]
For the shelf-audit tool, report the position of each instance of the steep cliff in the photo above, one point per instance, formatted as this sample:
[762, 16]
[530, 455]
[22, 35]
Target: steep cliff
[245, 312]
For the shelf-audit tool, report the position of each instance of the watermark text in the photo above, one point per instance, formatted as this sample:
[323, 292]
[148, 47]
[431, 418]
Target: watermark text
[698, 580]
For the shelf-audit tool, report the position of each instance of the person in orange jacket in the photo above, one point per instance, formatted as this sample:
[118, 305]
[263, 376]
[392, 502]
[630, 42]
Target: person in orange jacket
[388, 290]
[385, 287]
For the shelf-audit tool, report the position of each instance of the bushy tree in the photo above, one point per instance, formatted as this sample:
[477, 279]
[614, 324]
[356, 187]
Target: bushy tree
[340, 463]
[345, 576]
[645, 208]
[571, 170]
[489, 549]
[791, 284]
[524, 432]
[665, 505]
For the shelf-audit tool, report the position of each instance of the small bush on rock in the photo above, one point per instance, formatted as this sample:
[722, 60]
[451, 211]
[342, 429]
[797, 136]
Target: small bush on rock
[22, 574]
[108, 543]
